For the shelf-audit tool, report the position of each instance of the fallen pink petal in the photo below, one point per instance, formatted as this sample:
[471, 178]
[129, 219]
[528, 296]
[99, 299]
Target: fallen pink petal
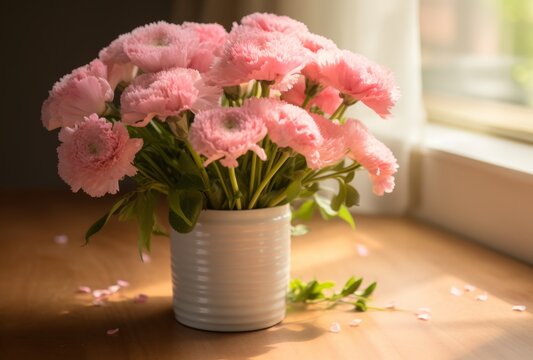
[356, 322]
[362, 250]
[112, 331]
[114, 288]
[146, 258]
[469, 288]
[84, 290]
[482, 297]
[424, 316]
[519, 308]
[123, 283]
[140, 299]
[335, 327]
[61, 239]
[455, 291]
[99, 293]
[391, 306]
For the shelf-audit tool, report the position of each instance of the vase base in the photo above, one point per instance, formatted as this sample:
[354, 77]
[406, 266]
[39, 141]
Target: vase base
[199, 325]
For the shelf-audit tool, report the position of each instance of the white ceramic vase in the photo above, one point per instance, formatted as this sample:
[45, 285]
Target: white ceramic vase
[231, 272]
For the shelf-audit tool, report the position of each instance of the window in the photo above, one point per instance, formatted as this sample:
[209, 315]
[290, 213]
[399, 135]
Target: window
[477, 58]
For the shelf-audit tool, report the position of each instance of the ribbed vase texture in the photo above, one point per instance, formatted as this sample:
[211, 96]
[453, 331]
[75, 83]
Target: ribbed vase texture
[231, 272]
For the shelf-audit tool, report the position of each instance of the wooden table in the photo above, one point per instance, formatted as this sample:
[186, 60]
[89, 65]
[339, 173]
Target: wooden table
[42, 317]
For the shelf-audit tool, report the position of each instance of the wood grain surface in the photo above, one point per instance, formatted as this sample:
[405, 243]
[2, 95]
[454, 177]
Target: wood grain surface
[42, 316]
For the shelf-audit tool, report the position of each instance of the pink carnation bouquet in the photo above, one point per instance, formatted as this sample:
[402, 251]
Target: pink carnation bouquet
[206, 119]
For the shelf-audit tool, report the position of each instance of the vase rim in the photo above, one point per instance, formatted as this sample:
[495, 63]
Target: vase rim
[245, 214]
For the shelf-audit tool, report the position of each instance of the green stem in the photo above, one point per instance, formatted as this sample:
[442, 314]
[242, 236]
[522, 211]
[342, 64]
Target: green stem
[352, 167]
[235, 186]
[283, 195]
[306, 101]
[203, 172]
[265, 88]
[252, 173]
[267, 178]
[339, 112]
[221, 178]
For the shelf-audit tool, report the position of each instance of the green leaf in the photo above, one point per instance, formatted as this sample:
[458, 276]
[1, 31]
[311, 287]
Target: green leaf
[349, 177]
[351, 286]
[305, 211]
[325, 207]
[174, 202]
[293, 190]
[360, 305]
[99, 224]
[158, 229]
[352, 196]
[183, 215]
[345, 215]
[299, 230]
[369, 290]
[338, 199]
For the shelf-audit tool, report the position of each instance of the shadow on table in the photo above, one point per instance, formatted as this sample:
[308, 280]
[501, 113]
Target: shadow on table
[147, 331]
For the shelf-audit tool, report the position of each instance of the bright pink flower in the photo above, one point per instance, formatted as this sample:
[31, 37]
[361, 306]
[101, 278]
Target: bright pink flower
[120, 68]
[327, 100]
[76, 95]
[95, 155]
[373, 155]
[288, 126]
[226, 133]
[159, 46]
[361, 79]
[211, 41]
[166, 93]
[333, 147]
[252, 54]
[274, 23]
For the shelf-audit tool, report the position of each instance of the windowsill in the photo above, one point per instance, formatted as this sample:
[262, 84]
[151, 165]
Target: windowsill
[477, 185]
[503, 153]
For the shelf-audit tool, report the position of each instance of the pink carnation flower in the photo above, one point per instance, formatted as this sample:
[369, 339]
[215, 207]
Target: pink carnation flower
[76, 95]
[252, 54]
[120, 68]
[274, 23]
[333, 147]
[288, 126]
[373, 155]
[212, 38]
[314, 42]
[159, 46]
[95, 155]
[166, 93]
[360, 79]
[328, 99]
[226, 133]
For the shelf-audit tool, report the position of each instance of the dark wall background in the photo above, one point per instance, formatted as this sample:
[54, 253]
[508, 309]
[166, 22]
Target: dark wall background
[42, 41]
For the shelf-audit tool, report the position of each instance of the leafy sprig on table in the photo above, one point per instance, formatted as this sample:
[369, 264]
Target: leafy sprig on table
[314, 292]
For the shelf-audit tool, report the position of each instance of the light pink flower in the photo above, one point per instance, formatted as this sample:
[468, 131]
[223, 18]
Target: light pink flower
[274, 23]
[314, 42]
[359, 78]
[328, 99]
[120, 68]
[373, 155]
[211, 41]
[226, 133]
[95, 155]
[333, 147]
[166, 93]
[160, 45]
[252, 54]
[83, 92]
[288, 126]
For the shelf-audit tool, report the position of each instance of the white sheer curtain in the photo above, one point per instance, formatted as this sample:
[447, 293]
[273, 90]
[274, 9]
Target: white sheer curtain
[387, 32]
